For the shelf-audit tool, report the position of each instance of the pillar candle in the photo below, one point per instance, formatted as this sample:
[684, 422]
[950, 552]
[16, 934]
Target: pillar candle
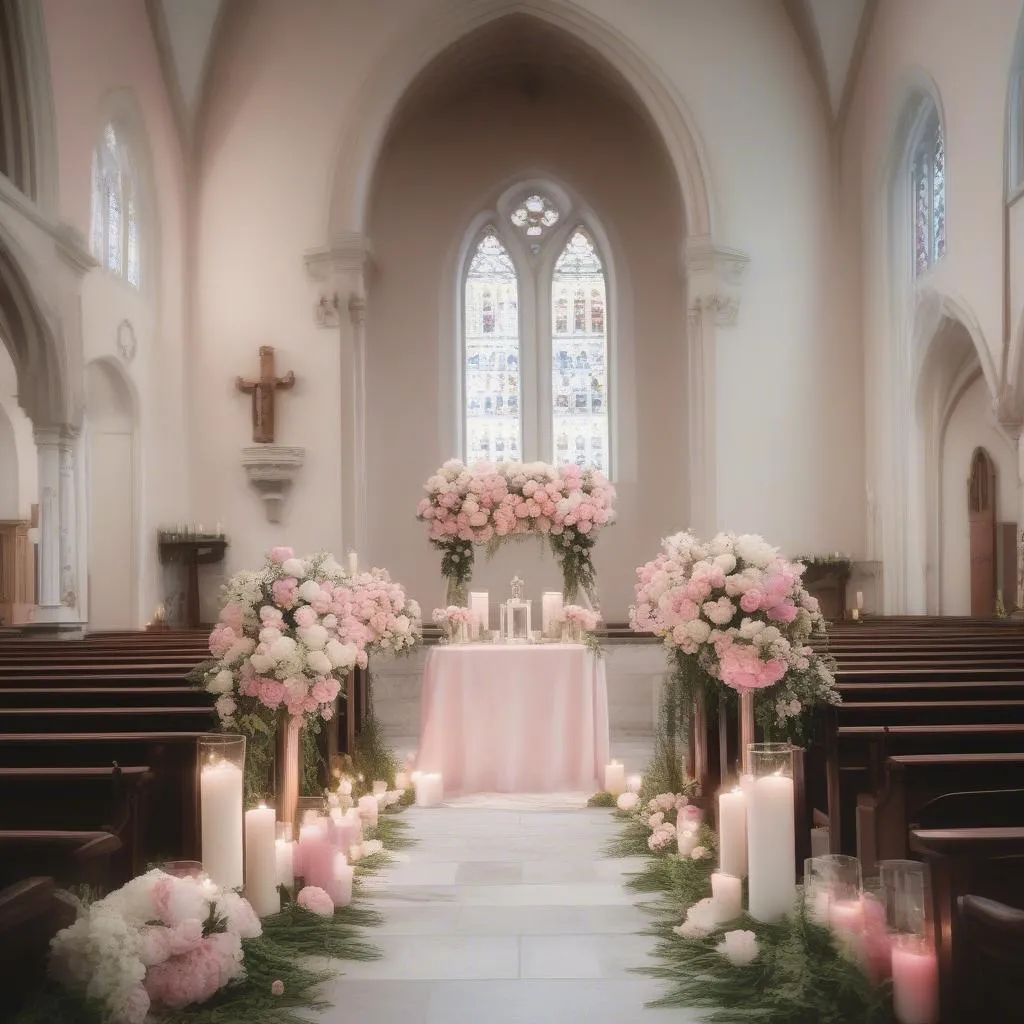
[317, 855]
[860, 600]
[429, 789]
[732, 833]
[480, 606]
[634, 783]
[856, 614]
[915, 985]
[261, 861]
[551, 604]
[771, 847]
[615, 778]
[284, 850]
[368, 809]
[727, 892]
[686, 841]
[220, 794]
[379, 787]
[401, 781]
[356, 820]
[347, 832]
[353, 563]
[341, 891]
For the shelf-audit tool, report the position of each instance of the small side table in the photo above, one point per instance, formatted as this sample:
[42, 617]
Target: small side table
[192, 552]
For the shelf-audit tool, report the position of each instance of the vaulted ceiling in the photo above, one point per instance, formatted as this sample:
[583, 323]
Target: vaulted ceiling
[831, 33]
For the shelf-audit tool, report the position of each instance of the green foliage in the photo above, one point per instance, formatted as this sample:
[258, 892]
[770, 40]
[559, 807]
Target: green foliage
[392, 832]
[372, 758]
[601, 800]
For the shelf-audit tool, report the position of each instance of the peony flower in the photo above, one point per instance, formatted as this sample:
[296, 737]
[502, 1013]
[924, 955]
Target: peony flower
[315, 900]
[281, 555]
[701, 920]
[740, 947]
[699, 853]
[628, 802]
[222, 682]
[277, 988]
[294, 567]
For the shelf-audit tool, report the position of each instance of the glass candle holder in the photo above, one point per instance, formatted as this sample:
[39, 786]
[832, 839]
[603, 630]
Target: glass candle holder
[837, 882]
[221, 775]
[915, 968]
[771, 836]
[183, 868]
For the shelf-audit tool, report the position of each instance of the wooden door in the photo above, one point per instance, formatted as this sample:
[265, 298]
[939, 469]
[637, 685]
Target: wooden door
[981, 514]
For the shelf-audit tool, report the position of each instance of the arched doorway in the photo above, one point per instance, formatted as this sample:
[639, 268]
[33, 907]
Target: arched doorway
[981, 512]
[110, 425]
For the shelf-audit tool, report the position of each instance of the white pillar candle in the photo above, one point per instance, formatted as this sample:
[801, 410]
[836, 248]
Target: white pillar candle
[551, 604]
[915, 985]
[261, 861]
[220, 794]
[732, 833]
[353, 563]
[856, 614]
[615, 778]
[860, 600]
[345, 787]
[634, 783]
[379, 787]
[771, 848]
[480, 606]
[356, 820]
[429, 789]
[368, 809]
[727, 892]
[344, 873]
[401, 781]
[686, 841]
[284, 850]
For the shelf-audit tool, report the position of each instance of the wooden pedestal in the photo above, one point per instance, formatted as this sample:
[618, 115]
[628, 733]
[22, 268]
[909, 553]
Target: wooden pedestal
[17, 574]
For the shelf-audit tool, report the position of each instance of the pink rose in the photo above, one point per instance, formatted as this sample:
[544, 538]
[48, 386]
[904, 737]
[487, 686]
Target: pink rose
[280, 555]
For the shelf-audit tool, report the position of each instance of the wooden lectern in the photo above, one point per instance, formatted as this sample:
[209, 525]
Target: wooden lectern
[17, 574]
[191, 551]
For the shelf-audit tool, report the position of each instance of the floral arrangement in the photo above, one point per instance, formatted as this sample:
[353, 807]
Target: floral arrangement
[733, 611]
[491, 502]
[449, 619]
[159, 941]
[576, 615]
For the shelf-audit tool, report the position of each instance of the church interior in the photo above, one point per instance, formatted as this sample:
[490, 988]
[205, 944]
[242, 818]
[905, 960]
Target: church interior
[357, 292]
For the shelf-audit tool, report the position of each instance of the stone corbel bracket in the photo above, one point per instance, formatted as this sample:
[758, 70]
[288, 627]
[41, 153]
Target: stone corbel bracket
[271, 469]
[714, 275]
[338, 271]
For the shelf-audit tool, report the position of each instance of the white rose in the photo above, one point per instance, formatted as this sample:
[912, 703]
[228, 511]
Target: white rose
[309, 590]
[294, 567]
[222, 682]
[341, 655]
[283, 648]
[318, 662]
[314, 637]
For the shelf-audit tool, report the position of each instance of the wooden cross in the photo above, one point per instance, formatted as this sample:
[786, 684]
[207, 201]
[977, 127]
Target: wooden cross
[263, 392]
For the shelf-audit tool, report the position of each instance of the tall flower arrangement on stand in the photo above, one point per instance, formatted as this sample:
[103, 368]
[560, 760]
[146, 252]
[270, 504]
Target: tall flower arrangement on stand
[733, 612]
[288, 636]
[489, 503]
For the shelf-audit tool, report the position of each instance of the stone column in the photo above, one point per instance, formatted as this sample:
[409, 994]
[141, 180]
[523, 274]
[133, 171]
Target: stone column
[68, 518]
[48, 451]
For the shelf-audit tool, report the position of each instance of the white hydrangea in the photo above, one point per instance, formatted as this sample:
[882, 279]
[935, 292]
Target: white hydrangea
[294, 567]
[740, 947]
[222, 682]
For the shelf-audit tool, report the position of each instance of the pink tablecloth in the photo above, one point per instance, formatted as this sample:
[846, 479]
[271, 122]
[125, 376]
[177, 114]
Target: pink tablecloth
[515, 719]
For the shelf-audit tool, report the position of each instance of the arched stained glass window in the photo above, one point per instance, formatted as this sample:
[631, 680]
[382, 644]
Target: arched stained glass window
[579, 356]
[928, 191]
[114, 238]
[491, 349]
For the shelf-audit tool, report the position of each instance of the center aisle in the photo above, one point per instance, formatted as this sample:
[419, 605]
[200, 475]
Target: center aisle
[504, 917]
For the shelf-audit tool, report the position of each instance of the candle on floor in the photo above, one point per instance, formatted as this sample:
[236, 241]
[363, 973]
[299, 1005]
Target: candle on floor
[615, 778]
[480, 606]
[860, 600]
[635, 783]
[846, 919]
[429, 789]
[368, 809]
[345, 786]
[284, 850]
[401, 781]
[727, 892]
[771, 838]
[915, 983]
[856, 614]
[379, 787]
[355, 853]
[344, 873]
[220, 794]
[261, 861]
[686, 841]
[356, 820]
[732, 833]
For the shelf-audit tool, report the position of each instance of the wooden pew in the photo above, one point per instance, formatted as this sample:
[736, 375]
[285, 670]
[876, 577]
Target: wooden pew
[71, 857]
[991, 940]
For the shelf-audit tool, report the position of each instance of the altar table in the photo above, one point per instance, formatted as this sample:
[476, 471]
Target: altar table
[530, 718]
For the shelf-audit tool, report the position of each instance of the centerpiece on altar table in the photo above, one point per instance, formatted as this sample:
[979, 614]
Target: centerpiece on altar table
[734, 616]
[289, 635]
[577, 623]
[490, 503]
[456, 623]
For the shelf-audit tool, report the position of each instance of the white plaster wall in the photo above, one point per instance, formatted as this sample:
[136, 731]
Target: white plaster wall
[970, 427]
[789, 426]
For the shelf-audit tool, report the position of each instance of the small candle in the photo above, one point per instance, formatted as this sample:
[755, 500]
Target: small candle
[368, 809]
[860, 600]
[686, 842]
[220, 794]
[380, 787]
[771, 847]
[284, 850]
[915, 984]
[317, 854]
[551, 604]
[732, 833]
[345, 787]
[856, 614]
[615, 778]
[727, 892]
[846, 919]
[261, 861]
[480, 606]
[634, 783]
[429, 789]
[401, 781]
[353, 564]
[353, 815]
[344, 873]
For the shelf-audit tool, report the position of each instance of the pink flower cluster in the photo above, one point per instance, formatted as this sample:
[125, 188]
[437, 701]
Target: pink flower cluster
[289, 634]
[576, 614]
[733, 602]
[500, 500]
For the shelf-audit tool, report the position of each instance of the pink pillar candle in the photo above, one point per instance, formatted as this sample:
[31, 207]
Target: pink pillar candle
[316, 852]
[341, 888]
[915, 983]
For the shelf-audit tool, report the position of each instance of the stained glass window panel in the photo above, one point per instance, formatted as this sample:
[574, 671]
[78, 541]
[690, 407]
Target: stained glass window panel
[493, 383]
[97, 229]
[113, 228]
[535, 215]
[939, 195]
[133, 245]
[579, 370]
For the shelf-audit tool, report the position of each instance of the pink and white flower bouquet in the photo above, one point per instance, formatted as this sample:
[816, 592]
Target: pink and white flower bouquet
[158, 942]
[733, 610]
[490, 502]
[454, 621]
[585, 619]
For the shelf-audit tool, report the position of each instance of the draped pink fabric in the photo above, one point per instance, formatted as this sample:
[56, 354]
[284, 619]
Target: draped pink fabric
[530, 719]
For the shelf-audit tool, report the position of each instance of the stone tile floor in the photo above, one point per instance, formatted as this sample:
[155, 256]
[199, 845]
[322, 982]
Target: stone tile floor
[503, 917]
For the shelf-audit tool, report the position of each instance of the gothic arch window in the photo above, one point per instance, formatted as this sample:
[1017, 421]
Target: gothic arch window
[1015, 120]
[114, 238]
[928, 190]
[535, 351]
